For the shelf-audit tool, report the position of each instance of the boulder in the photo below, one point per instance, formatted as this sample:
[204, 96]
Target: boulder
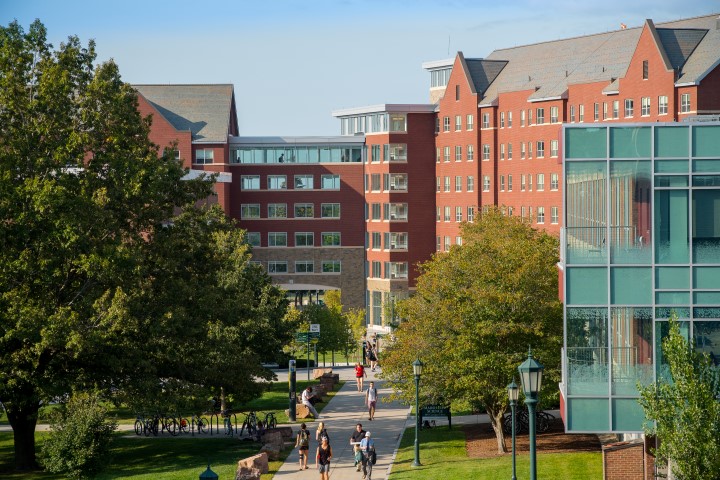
[244, 473]
[274, 438]
[319, 372]
[286, 432]
[258, 462]
[272, 450]
[301, 411]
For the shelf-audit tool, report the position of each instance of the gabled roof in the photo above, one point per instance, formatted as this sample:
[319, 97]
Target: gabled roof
[679, 43]
[204, 110]
[481, 72]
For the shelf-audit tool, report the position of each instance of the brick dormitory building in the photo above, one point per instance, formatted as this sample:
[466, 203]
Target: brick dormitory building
[358, 211]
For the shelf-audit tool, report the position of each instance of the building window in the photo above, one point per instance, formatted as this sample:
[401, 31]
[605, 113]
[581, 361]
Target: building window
[530, 182]
[529, 149]
[470, 183]
[275, 267]
[375, 182]
[376, 241]
[471, 153]
[530, 121]
[277, 239]
[376, 211]
[509, 151]
[458, 240]
[204, 156]
[553, 148]
[249, 210]
[330, 210]
[398, 122]
[437, 155]
[304, 239]
[486, 183]
[458, 183]
[253, 239]
[540, 116]
[330, 182]
[509, 119]
[645, 70]
[510, 211]
[522, 150]
[458, 123]
[438, 243]
[685, 103]
[331, 266]
[397, 211]
[446, 124]
[502, 119]
[509, 183]
[457, 92]
[522, 183]
[396, 240]
[471, 214]
[446, 154]
[502, 183]
[540, 214]
[438, 217]
[554, 115]
[605, 111]
[304, 182]
[458, 214]
[581, 113]
[330, 239]
[486, 120]
[572, 113]
[470, 122]
[304, 266]
[553, 181]
[662, 105]
[645, 106]
[398, 182]
[376, 269]
[437, 125]
[616, 109]
[304, 210]
[447, 184]
[541, 149]
[540, 182]
[396, 152]
[446, 214]
[277, 210]
[629, 107]
[502, 151]
[486, 151]
[447, 243]
[458, 153]
[522, 118]
[596, 111]
[250, 182]
[375, 153]
[554, 215]
[438, 184]
[276, 182]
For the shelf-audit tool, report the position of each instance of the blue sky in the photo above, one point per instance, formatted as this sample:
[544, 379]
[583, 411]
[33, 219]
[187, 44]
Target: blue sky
[293, 62]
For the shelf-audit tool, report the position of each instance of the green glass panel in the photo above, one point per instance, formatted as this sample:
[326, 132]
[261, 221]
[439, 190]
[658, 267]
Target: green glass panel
[707, 338]
[706, 298]
[587, 353]
[588, 414]
[587, 286]
[672, 277]
[672, 298]
[706, 141]
[706, 181]
[671, 166]
[711, 166]
[631, 286]
[671, 226]
[672, 142]
[706, 312]
[627, 415]
[671, 181]
[667, 312]
[631, 349]
[630, 142]
[706, 226]
[630, 212]
[585, 143]
[706, 277]
[585, 212]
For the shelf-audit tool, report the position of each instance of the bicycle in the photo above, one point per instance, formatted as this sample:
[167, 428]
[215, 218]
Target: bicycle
[270, 420]
[202, 423]
[140, 424]
[183, 424]
[168, 424]
[250, 423]
[227, 422]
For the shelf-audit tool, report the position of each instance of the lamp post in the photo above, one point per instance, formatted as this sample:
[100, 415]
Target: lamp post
[513, 396]
[531, 372]
[417, 371]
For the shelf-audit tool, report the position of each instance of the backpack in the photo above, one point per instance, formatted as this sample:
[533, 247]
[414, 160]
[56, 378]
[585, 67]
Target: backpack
[373, 456]
[304, 442]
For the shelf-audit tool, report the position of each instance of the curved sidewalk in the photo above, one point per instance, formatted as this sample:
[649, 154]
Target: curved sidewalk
[341, 414]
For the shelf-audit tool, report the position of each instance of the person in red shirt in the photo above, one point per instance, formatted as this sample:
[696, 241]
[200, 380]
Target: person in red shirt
[359, 376]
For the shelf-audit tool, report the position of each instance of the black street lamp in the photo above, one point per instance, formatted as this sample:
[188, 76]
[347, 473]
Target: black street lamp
[531, 372]
[513, 393]
[417, 371]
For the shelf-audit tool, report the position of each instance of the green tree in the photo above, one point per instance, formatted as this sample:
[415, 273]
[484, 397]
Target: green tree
[475, 311]
[682, 410]
[114, 277]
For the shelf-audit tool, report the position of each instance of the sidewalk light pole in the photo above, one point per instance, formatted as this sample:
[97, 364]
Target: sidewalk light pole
[531, 372]
[513, 396]
[417, 371]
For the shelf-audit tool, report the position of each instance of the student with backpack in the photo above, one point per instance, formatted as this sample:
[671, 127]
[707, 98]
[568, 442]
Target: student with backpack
[321, 432]
[371, 397]
[302, 442]
[367, 447]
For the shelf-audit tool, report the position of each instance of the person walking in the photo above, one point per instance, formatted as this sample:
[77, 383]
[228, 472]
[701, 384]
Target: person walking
[360, 374]
[323, 457]
[355, 440]
[371, 397]
[367, 447]
[302, 442]
[306, 396]
[321, 432]
[372, 357]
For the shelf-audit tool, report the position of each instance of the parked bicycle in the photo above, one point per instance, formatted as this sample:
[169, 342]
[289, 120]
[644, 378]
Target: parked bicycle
[543, 420]
[270, 421]
[249, 425]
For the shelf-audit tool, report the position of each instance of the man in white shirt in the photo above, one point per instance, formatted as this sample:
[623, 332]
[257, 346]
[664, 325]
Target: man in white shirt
[306, 396]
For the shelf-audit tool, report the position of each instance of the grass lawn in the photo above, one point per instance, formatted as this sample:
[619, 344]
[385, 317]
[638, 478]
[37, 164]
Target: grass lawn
[443, 455]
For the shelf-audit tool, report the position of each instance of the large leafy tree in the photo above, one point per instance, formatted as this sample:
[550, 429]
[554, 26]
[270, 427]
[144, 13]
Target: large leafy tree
[476, 310]
[113, 277]
[683, 411]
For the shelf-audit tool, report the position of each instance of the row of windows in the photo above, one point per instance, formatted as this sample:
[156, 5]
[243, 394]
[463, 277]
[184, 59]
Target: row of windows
[374, 123]
[446, 214]
[310, 154]
[445, 185]
[388, 152]
[280, 210]
[302, 239]
[392, 240]
[392, 270]
[279, 182]
[445, 245]
[443, 154]
[386, 211]
[469, 123]
[612, 110]
[304, 266]
[539, 184]
[390, 182]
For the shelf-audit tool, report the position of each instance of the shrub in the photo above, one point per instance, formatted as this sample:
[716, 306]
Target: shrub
[79, 441]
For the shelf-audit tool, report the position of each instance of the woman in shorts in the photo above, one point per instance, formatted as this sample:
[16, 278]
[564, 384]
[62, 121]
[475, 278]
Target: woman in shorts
[322, 459]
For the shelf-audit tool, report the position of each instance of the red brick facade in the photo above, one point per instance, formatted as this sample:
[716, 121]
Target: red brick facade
[628, 461]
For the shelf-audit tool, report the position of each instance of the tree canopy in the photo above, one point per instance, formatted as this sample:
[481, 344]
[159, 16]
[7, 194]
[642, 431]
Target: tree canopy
[115, 275]
[476, 310]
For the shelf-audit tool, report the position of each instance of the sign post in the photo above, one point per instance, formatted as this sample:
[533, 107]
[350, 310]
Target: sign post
[292, 386]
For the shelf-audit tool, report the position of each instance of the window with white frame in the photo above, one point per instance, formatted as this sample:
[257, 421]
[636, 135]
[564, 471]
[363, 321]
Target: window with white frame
[470, 214]
[330, 182]
[330, 210]
[446, 214]
[277, 182]
[375, 182]
[685, 103]
[522, 150]
[447, 243]
[509, 119]
[397, 240]
[502, 183]
[471, 153]
[330, 239]
[540, 116]
[530, 182]
[522, 118]
[530, 113]
[204, 156]
[304, 182]
[554, 181]
[553, 148]
[510, 211]
[645, 106]
[376, 211]
[502, 119]
[605, 111]
[581, 113]
[458, 123]
[438, 218]
[540, 214]
[276, 266]
[486, 183]
[304, 266]
[486, 120]
[616, 109]
[540, 182]
[304, 210]
[470, 122]
[447, 184]
[376, 241]
[458, 214]
[397, 211]
[437, 125]
[249, 210]
[398, 182]
[509, 183]
[438, 184]
[398, 122]
[662, 105]
[470, 183]
[446, 124]
[437, 155]
[486, 151]
[541, 149]
[331, 266]
[554, 216]
[397, 269]
[502, 151]
[554, 115]
[629, 107]
[376, 269]
[374, 153]
[522, 183]
[572, 113]
[530, 149]
[458, 153]
[458, 183]
[277, 210]
[277, 239]
[304, 239]
[250, 182]
[446, 154]
[458, 240]
[509, 153]
[253, 239]
[438, 243]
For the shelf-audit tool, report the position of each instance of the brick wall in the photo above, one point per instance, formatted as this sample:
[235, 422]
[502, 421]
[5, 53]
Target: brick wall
[629, 460]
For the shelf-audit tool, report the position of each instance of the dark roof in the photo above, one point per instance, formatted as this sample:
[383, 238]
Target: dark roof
[679, 43]
[204, 110]
[483, 72]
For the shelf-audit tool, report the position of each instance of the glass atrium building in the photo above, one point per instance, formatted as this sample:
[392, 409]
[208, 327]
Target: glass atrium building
[641, 241]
